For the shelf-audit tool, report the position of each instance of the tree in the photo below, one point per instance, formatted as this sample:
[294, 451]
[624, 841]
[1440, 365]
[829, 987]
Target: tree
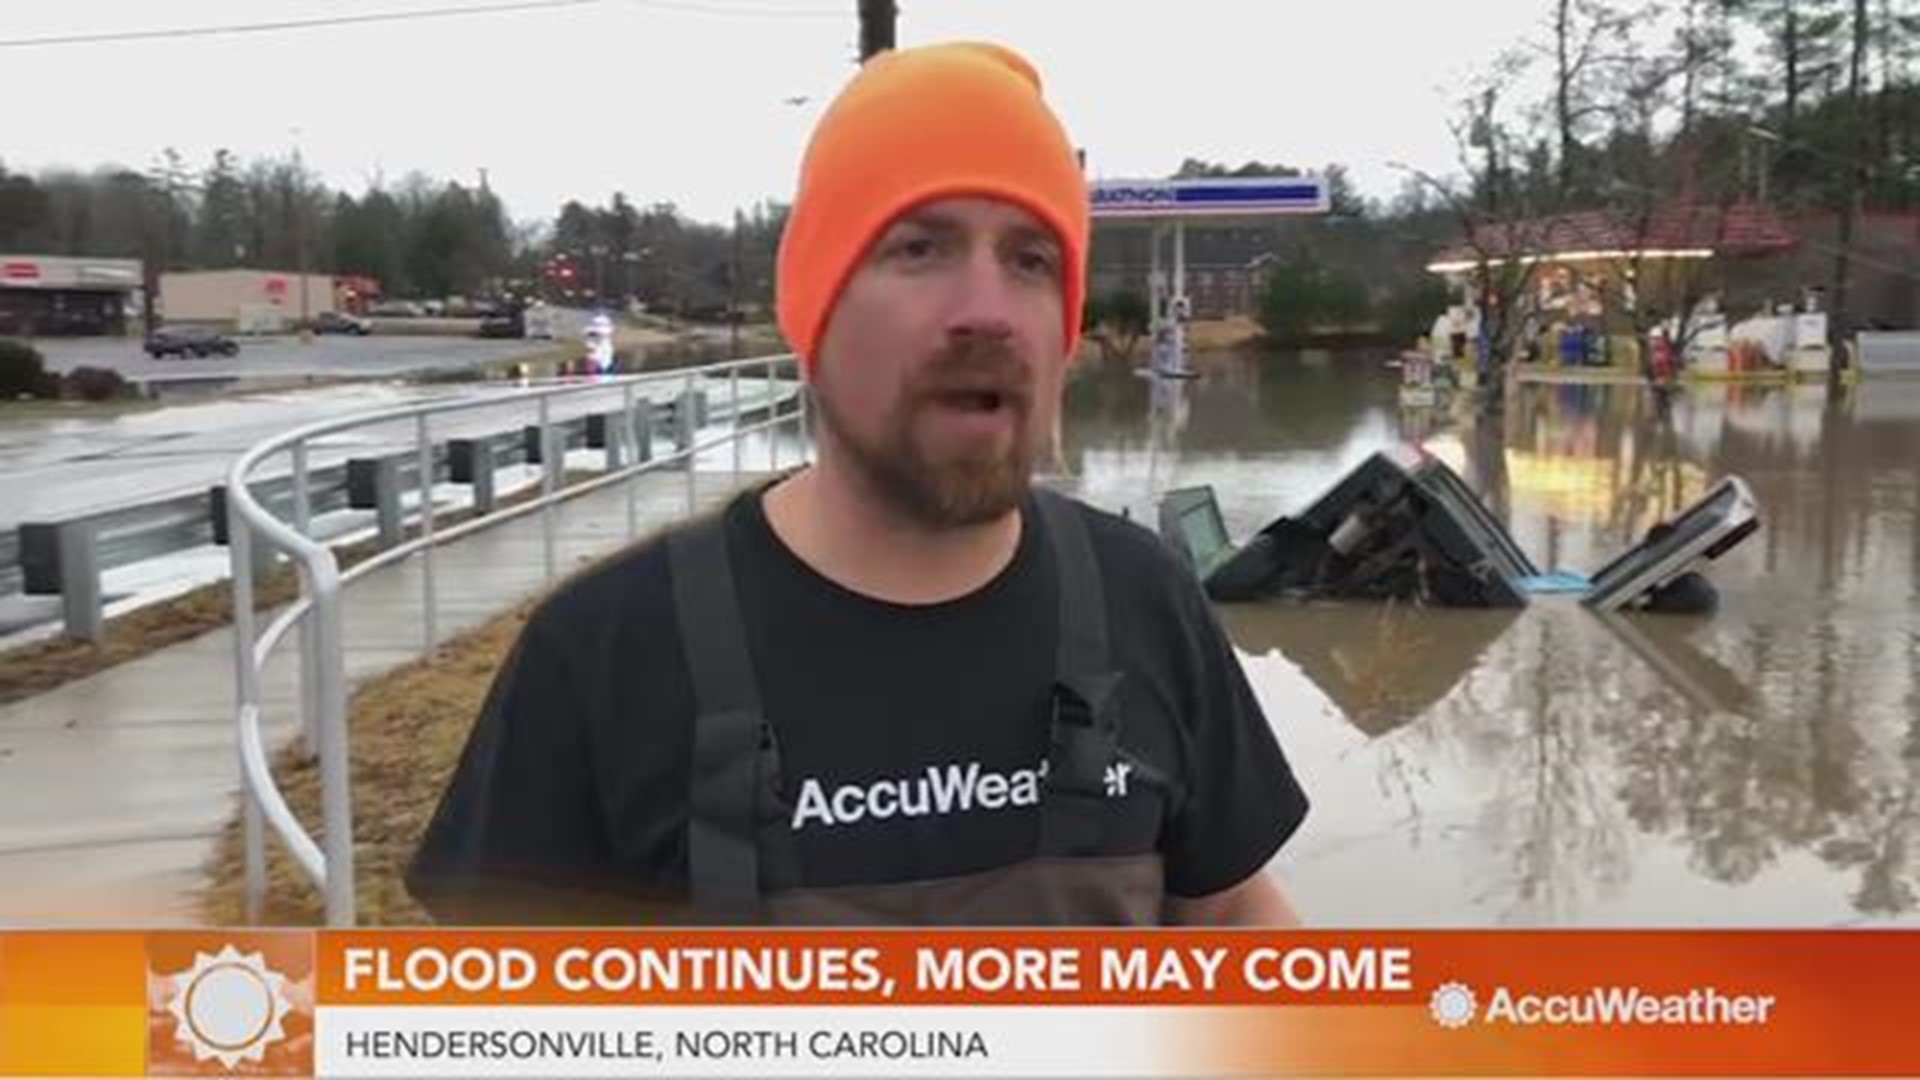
[457, 245]
[490, 242]
[1116, 322]
[1855, 174]
[1703, 58]
[1587, 39]
[222, 231]
[287, 212]
[760, 247]
[664, 271]
[1342, 198]
[173, 187]
[1803, 44]
[576, 229]
[1409, 309]
[620, 229]
[1198, 169]
[1491, 217]
[1304, 299]
[369, 239]
[23, 208]
[1896, 40]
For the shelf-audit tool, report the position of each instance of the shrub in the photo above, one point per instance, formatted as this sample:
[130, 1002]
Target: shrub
[22, 371]
[96, 384]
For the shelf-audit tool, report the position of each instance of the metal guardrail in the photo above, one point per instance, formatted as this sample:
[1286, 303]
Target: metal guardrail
[66, 555]
[30, 556]
[317, 613]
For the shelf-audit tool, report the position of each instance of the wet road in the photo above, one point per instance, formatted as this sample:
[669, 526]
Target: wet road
[1757, 767]
[52, 467]
[325, 357]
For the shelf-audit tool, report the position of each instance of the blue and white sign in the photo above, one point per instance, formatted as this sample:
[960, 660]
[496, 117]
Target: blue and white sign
[1248, 197]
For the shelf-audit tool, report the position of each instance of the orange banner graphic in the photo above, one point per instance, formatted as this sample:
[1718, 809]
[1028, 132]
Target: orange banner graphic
[1206, 1003]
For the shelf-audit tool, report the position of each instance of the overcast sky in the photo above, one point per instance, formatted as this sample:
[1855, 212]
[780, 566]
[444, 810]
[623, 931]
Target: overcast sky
[687, 101]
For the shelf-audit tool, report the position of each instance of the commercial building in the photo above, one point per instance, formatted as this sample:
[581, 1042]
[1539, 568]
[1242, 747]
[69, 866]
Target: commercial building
[250, 301]
[55, 295]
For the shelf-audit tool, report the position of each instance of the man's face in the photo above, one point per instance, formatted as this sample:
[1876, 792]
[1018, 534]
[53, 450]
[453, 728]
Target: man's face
[939, 372]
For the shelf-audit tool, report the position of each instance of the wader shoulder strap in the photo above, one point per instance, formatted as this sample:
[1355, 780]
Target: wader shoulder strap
[1084, 725]
[1083, 603]
[735, 760]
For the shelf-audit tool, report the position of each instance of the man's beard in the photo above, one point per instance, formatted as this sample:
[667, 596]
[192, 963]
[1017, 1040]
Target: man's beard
[970, 487]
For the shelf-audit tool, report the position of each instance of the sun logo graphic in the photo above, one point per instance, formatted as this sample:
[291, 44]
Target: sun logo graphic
[1452, 1005]
[229, 1006]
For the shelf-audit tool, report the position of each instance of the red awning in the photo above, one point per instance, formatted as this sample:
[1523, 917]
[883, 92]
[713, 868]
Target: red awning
[1738, 229]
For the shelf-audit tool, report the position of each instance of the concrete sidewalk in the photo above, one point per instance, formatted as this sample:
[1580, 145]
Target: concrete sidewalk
[114, 789]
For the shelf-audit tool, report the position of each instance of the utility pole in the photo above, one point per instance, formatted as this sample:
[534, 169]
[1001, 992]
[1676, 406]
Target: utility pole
[149, 268]
[153, 257]
[298, 189]
[733, 291]
[877, 19]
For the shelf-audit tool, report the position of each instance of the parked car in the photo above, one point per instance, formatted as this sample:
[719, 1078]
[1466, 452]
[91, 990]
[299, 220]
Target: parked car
[186, 341]
[405, 309]
[339, 322]
[505, 324]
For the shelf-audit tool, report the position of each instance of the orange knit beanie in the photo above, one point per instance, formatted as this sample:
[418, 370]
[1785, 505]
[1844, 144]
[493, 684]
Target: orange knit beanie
[915, 125]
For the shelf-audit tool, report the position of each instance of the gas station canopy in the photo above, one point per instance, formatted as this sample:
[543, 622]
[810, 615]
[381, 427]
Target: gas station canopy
[1248, 198]
[1167, 207]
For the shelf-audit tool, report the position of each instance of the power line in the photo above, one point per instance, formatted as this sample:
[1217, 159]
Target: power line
[171, 33]
[747, 12]
[292, 24]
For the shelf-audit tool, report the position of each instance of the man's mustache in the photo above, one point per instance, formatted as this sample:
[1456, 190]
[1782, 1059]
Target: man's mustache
[980, 365]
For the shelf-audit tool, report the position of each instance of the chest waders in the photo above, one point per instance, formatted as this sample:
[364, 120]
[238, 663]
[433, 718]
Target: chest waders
[743, 863]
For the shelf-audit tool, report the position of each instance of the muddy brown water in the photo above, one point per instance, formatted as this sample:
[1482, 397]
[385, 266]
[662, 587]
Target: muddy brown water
[1758, 767]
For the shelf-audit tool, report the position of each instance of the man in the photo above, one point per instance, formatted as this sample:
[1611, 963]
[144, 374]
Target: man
[901, 685]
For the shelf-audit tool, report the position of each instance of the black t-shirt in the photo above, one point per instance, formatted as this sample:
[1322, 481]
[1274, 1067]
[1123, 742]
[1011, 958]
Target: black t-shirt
[911, 736]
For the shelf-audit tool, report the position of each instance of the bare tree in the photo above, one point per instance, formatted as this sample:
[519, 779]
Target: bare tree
[1802, 42]
[1492, 213]
[1587, 41]
[1855, 176]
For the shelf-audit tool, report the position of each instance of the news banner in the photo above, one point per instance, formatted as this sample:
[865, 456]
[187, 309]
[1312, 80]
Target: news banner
[917, 1003]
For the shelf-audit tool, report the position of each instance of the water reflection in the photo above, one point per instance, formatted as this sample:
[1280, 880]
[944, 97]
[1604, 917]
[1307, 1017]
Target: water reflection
[1665, 645]
[1760, 767]
[1382, 665]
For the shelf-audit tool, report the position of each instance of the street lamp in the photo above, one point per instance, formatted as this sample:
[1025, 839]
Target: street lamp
[164, 179]
[300, 233]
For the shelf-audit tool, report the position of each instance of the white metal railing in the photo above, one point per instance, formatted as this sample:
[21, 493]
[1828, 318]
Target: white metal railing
[323, 692]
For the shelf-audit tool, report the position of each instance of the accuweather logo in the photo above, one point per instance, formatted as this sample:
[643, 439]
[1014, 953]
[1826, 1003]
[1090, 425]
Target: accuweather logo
[936, 791]
[1452, 1005]
[229, 1006]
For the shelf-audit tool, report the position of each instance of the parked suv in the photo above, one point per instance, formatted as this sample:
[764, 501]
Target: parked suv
[189, 341]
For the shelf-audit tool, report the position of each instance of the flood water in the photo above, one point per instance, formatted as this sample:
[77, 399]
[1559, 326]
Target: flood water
[1756, 767]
